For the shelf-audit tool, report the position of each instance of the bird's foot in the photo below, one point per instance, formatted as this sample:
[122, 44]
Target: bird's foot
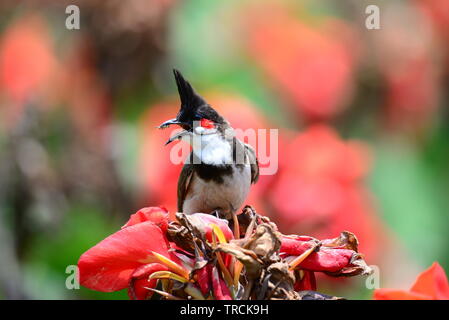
[219, 213]
[216, 213]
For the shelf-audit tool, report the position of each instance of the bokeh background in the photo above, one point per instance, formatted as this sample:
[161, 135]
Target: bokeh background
[362, 118]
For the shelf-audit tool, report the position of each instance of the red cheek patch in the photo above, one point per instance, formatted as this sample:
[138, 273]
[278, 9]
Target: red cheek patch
[207, 124]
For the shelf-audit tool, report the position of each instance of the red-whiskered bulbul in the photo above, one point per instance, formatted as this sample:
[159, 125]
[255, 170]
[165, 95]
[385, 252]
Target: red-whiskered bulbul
[217, 175]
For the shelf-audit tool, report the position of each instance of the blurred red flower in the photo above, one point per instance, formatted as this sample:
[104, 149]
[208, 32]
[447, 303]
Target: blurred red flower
[319, 188]
[432, 284]
[413, 91]
[438, 12]
[408, 61]
[156, 171]
[27, 61]
[313, 66]
[88, 100]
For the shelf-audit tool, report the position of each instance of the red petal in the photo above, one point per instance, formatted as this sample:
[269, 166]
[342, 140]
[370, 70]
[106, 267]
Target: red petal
[157, 215]
[295, 245]
[208, 220]
[327, 259]
[26, 57]
[221, 291]
[108, 265]
[204, 279]
[432, 282]
[392, 294]
[138, 284]
[308, 282]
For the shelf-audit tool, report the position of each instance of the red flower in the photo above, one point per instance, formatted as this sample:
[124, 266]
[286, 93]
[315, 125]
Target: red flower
[221, 291]
[85, 93]
[319, 189]
[27, 63]
[306, 282]
[132, 253]
[203, 261]
[312, 65]
[438, 12]
[209, 279]
[409, 67]
[205, 222]
[335, 257]
[26, 57]
[157, 215]
[432, 284]
[204, 276]
[139, 282]
[139, 254]
[413, 91]
[332, 256]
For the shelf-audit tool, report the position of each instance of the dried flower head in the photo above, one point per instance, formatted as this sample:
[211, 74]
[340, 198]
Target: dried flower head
[198, 257]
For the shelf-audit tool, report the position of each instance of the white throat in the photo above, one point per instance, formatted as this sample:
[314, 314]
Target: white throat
[212, 149]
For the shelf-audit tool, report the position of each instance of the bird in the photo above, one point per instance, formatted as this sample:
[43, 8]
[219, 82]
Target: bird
[217, 175]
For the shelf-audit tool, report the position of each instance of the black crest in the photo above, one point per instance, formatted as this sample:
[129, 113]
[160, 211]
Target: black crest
[193, 106]
[190, 100]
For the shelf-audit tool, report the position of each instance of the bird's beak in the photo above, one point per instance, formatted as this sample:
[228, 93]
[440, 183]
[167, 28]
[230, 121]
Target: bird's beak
[177, 136]
[169, 123]
[180, 134]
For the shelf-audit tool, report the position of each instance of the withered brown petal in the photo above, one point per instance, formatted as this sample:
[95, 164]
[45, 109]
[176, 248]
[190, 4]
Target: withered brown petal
[346, 240]
[253, 265]
[265, 242]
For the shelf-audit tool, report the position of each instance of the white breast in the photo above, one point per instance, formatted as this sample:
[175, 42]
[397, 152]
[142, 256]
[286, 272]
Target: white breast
[212, 149]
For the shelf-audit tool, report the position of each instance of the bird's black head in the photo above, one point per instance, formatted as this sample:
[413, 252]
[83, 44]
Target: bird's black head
[194, 109]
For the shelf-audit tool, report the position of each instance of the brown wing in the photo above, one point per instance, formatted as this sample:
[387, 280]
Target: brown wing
[183, 184]
[253, 162]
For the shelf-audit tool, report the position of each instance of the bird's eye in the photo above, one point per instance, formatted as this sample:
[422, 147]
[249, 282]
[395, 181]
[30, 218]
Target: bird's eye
[207, 124]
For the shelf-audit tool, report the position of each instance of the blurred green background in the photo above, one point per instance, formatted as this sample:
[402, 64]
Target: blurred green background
[362, 118]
